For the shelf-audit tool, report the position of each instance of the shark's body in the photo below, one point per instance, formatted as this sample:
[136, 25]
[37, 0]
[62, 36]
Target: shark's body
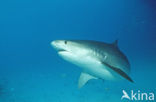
[98, 60]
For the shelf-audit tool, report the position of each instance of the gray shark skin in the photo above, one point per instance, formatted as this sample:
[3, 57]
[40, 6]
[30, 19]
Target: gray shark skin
[98, 60]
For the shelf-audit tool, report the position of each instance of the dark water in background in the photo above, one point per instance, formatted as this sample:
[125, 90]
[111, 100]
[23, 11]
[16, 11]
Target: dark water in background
[31, 71]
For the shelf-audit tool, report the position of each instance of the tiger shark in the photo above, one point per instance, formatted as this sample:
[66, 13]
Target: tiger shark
[97, 60]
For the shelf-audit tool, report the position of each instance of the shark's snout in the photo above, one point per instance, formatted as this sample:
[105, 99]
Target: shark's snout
[58, 45]
[54, 43]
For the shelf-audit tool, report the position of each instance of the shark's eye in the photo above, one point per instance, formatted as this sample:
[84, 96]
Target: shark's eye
[65, 42]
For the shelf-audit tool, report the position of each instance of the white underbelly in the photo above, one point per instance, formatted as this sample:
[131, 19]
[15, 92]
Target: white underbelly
[90, 65]
[97, 69]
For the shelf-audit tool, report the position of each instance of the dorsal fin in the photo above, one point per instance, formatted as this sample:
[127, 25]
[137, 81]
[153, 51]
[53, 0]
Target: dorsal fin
[115, 43]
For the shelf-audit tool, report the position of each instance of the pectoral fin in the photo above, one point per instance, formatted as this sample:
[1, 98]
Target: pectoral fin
[119, 71]
[84, 77]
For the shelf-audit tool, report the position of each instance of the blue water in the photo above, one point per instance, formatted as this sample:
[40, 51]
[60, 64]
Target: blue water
[30, 69]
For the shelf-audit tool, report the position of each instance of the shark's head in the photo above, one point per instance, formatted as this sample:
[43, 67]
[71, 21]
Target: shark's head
[69, 50]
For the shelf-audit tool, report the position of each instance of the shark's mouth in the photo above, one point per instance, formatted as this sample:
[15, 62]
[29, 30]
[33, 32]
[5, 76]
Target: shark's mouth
[61, 50]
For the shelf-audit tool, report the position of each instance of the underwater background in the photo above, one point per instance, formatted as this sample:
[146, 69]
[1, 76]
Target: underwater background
[31, 70]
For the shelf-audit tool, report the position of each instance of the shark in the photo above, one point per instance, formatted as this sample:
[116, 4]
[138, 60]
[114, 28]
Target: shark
[97, 60]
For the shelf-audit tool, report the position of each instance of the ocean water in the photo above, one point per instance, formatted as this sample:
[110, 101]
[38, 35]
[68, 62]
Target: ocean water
[31, 70]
